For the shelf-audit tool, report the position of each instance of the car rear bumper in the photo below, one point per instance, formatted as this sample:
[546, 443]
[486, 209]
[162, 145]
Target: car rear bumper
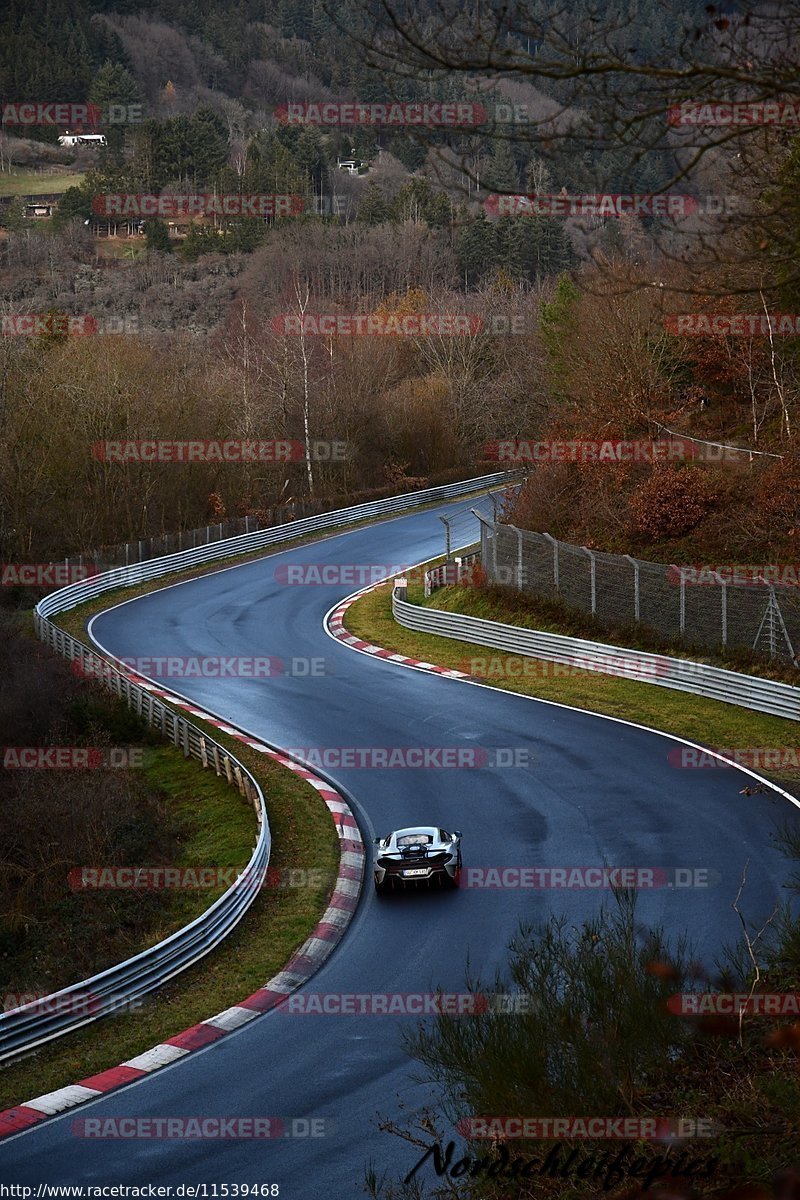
[403, 876]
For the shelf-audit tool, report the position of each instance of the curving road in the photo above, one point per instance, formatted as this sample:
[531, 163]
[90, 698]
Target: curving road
[595, 791]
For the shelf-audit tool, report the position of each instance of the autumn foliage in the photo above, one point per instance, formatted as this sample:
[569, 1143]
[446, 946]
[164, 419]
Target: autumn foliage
[670, 502]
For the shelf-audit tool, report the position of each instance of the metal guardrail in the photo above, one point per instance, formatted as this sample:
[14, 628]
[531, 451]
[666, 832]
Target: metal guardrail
[39, 1021]
[117, 987]
[85, 589]
[744, 450]
[448, 573]
[715, 683]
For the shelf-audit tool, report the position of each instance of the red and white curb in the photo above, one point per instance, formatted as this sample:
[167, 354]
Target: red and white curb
[335, 626]
[303, 964]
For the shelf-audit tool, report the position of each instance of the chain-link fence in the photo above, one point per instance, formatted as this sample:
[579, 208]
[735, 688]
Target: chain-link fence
[143, 549]
[698, 606]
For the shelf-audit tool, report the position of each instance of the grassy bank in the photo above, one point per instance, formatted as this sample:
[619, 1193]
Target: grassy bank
[708, 721]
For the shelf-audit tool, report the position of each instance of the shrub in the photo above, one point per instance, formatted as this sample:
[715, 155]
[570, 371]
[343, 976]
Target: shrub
[670, 502]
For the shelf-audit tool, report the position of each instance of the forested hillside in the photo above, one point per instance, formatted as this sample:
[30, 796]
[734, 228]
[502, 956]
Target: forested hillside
[573, 309]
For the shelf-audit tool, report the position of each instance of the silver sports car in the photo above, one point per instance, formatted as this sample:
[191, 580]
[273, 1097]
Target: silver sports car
[422, 854]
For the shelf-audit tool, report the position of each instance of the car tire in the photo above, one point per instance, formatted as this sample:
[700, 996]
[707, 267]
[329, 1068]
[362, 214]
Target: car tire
[381, 888]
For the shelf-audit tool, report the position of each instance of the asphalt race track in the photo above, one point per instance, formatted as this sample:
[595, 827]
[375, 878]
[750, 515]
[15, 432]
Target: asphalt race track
[595, 792]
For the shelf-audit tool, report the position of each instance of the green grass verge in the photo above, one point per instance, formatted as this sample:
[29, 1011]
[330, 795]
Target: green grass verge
[199, 821]
[37, 183]
[280, 919]
[707, 721]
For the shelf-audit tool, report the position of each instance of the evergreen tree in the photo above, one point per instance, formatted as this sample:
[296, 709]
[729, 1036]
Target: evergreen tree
[557, 324]
[244, 234]
[310, 158]
[409, 149]
[113, 89]
[200, 240]
[418, 202]
[157, 234]
[476, 248]
[208, 144]
[74, 204]
[501, 174]
[372, 207]
[13, 218]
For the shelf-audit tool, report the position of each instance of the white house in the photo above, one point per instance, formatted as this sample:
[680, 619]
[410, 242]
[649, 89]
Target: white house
[82, 139]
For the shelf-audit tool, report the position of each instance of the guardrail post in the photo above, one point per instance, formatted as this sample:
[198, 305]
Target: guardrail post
[485, 526]
[519, 558]
[724, 613]
[634, 563]
[593, 577]
[554, 543]
[683, 603]
[447, 539]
